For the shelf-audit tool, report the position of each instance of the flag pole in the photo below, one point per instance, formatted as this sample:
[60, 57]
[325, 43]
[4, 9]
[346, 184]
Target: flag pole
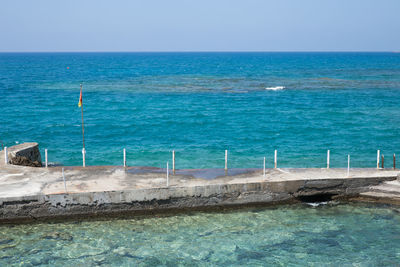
[83, 127]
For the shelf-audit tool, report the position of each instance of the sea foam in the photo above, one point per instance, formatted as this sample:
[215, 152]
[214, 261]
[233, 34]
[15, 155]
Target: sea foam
[275, 88]
[316, 204]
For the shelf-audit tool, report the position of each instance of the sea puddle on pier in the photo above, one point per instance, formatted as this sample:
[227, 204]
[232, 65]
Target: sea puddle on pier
[338, 234]
[195, 173]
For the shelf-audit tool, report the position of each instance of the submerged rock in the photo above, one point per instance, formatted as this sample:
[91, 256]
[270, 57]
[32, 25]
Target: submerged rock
[5, 241]
[58, 236]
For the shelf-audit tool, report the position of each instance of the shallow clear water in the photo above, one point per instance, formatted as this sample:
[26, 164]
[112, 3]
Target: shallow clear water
[200, 104]
[333, 235]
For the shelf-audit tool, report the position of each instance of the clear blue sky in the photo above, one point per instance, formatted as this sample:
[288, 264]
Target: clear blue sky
[205, 25]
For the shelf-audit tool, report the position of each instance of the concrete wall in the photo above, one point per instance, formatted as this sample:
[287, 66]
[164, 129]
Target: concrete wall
[141, 201]
[26, 154]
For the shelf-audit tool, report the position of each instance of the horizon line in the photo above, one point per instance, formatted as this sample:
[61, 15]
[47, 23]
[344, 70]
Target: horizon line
[212, 51]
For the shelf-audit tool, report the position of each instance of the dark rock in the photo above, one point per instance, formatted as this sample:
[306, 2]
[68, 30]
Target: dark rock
[26, 154]
[6, 241]
[244, 254]
[58, 236]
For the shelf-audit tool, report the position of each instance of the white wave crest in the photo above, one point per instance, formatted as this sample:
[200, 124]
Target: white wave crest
[316, 204]
[275, 88]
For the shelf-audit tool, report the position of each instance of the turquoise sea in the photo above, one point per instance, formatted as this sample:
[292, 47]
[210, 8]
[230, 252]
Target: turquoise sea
[297, 235]
[200, 104]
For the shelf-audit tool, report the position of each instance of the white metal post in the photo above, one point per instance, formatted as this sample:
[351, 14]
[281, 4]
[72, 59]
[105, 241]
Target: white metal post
[264, 168]
[45, 157]
[5, 155]
[226, 160]
[124, 157]
[348, 165]
[173, 161]
[328, 159]
[83, 157]
[276, 159]
[378, 158]
[167, 175]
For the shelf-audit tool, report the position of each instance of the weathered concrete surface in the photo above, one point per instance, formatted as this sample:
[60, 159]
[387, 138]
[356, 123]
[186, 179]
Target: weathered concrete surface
[39, 192]
[26, 154]
[386, 192]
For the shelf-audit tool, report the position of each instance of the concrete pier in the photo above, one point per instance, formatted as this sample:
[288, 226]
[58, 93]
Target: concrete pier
[28, 193]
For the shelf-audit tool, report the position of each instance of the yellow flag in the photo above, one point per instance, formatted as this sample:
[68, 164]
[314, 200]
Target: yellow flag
[80, 99]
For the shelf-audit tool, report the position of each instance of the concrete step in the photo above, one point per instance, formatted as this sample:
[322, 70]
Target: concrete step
[380, 195]
[392, 187]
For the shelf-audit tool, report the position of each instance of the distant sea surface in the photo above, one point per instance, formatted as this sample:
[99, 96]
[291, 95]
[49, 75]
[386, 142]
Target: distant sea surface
[200, 104]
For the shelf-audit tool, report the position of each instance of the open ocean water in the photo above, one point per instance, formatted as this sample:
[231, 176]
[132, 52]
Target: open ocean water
[200, 104]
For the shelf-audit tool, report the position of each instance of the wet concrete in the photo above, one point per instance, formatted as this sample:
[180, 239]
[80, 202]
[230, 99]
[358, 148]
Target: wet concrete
[194, 173]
